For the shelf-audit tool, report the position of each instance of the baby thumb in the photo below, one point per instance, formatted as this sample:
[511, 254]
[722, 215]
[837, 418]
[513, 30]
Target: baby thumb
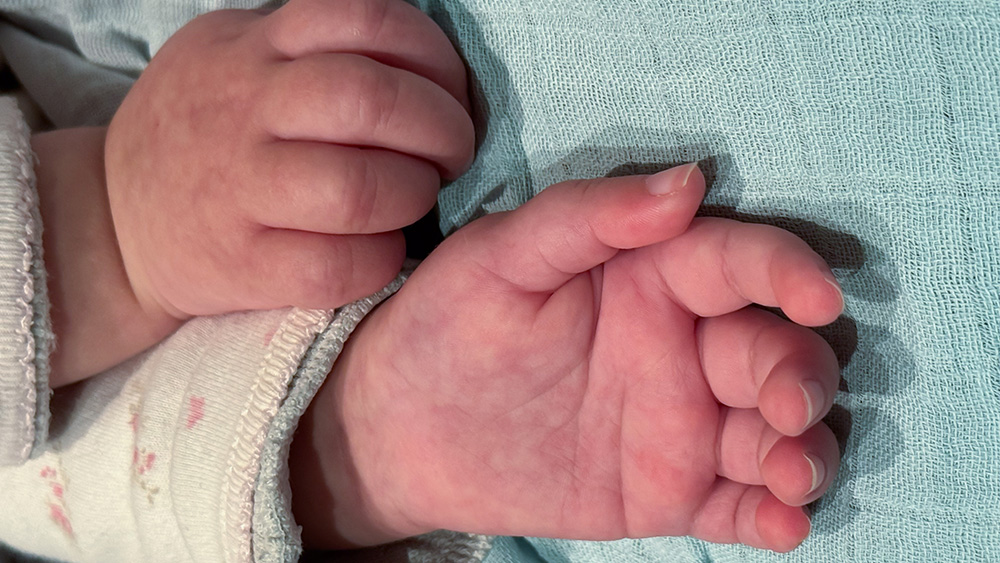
[574, 226]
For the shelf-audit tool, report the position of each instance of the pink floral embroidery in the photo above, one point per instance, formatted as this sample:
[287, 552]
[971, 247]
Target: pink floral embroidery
[142, 464]
[196, 411]
[59, 517]
[57, 502]
[142, 459]
[147, 462]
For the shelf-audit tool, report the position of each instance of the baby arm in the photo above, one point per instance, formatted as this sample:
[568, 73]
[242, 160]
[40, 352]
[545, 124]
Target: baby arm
[261, 161]
[586, 366]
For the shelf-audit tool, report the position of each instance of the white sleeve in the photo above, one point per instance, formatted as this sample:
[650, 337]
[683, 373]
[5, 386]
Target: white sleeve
[25, 334]
[180, 454]
[157, 459]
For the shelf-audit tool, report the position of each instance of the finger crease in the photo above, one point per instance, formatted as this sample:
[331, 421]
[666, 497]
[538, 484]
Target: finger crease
[727, 272]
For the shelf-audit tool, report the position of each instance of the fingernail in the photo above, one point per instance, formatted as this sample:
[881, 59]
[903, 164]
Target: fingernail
[832, 281]
[670, 180]
[818, 472]
[815, 399]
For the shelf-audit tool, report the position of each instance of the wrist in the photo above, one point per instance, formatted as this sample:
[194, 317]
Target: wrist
[342, 468]
[97, 320]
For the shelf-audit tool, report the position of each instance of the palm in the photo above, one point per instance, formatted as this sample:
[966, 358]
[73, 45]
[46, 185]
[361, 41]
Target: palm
[557, 396]
[513, 396]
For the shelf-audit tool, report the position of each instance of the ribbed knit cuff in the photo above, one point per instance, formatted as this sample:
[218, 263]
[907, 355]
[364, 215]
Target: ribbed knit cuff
[25, 333]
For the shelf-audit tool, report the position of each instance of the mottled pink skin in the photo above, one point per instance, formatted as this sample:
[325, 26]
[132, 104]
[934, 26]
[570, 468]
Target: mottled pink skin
[262, 160]
[586, 366]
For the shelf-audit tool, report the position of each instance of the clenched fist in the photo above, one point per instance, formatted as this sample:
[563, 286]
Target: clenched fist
[269, 159]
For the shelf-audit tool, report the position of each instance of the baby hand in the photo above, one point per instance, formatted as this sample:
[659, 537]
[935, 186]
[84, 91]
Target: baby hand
[586, 366]
[266, 160]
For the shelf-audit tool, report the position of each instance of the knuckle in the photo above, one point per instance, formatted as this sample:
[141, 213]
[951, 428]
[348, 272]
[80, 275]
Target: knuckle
[364, 19]
[367, 18]
[280, 26]
[299, 87]
[569, 191]
[362, 182]
[283, 26]
[284, 91]
[376, 95]
[273, 28]
[325, 278]
[358, 95]
[729, 277]
[794, 341]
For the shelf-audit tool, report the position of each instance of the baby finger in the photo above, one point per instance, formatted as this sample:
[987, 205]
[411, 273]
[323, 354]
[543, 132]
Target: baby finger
[334, 189]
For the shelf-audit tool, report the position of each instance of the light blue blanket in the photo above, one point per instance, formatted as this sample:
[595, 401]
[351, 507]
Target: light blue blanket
[869, 128]
[872, 130]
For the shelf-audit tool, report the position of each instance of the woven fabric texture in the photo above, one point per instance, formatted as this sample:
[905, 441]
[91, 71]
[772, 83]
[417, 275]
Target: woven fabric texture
[869, 128]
